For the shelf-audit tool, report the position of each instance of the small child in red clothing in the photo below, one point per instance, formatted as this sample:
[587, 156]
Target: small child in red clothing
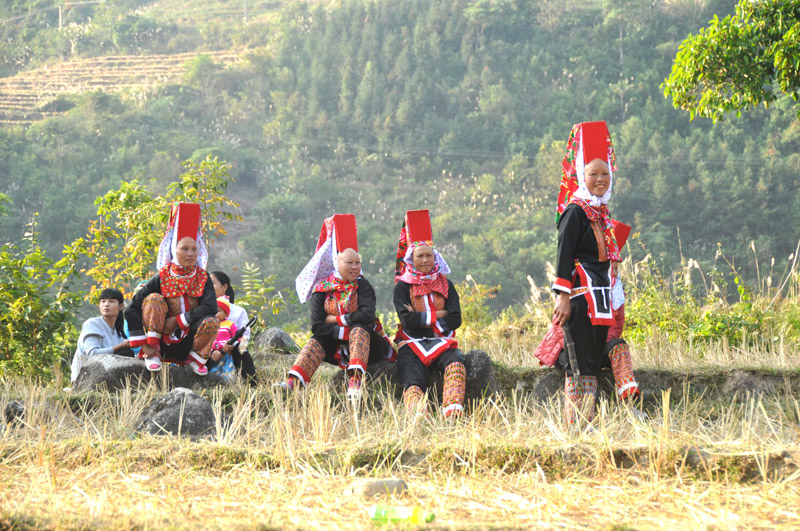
[220, 362]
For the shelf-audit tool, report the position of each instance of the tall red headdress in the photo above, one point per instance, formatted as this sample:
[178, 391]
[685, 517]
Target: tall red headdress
[184, 220]
[587, 141]
[339, 232]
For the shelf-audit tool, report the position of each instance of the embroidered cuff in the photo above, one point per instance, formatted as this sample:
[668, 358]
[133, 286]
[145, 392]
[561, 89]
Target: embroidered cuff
[138, 340]
[182, 322]
[562, 285]
[357, 365]
[440, 327]
[343, 332]
[453, 408]
[153, 339]
[299, 373]
[427, 318]
[341, 320]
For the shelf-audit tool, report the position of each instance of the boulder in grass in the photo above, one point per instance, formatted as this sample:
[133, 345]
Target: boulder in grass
[481, 380]
[276, 339]
[179, 412]
[15, 412]
[114, 372]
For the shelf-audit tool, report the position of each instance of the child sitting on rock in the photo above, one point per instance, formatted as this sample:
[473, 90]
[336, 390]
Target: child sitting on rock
[220, 362]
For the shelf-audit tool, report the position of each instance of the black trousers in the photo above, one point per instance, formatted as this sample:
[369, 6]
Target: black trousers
[590, 341]
[413, 372]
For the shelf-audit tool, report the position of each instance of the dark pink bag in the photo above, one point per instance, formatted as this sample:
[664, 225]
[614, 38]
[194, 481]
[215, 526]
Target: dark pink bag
[551, 345]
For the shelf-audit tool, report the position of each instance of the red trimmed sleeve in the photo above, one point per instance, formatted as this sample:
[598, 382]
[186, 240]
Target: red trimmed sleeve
[562, 284]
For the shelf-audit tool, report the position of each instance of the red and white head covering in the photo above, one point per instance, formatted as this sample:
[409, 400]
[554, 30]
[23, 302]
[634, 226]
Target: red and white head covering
[587, 141]
[224, 305]
[416, 231]
[339, 232]
[184, 220]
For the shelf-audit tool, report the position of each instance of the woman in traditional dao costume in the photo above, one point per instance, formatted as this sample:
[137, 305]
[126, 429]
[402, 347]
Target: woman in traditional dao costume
[343, 323]
[173, 316]
[429, 310]
[586, 268]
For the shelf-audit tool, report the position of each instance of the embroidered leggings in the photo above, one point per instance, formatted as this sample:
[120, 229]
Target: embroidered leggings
[200, 336]
[580, 393]
[414, 378]
[313, 354]
[619, 358]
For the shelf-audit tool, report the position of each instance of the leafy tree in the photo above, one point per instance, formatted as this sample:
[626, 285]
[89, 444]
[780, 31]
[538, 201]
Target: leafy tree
[260, 295]
[740, 61]
[36, 307]
[122, 244]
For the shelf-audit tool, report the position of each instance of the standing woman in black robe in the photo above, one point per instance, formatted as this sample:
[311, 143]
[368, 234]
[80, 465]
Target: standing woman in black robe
[587, 256]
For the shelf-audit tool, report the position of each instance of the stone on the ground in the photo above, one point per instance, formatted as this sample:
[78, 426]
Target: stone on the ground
[180, 412]
[481, 380]
[374, 487]
[15, 412]
[115, 371]
[275, 339]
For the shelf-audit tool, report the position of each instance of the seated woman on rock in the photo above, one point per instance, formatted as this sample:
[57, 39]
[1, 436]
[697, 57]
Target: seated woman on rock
[242, 359]
[587, 255]
[104, 334]
[173, 316]
[430, 312]
[343, 323]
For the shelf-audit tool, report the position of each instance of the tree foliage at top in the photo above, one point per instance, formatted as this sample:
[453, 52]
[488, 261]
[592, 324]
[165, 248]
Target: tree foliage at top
[739, 62]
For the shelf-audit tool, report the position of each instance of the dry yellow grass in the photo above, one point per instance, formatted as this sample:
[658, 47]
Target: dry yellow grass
[285, 463]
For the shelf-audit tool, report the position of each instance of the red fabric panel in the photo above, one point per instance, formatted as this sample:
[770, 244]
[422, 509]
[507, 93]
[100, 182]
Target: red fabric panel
[595, 141]
[621, 232]
[346, 233]
[418, 226]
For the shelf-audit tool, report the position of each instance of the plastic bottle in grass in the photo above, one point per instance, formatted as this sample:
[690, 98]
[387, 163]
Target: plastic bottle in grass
[387, 514]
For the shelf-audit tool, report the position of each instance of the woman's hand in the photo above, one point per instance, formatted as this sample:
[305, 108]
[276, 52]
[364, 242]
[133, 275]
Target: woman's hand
[441, 313]
[216, 355]
[124, 344]
[170, 325]
[562, 309]
[409, 307]
[330, 319]
[227, 349]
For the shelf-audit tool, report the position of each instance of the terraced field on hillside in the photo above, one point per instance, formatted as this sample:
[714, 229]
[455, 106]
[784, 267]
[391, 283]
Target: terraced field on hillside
[26, 97]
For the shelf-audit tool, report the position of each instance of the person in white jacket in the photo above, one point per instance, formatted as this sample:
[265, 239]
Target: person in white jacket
[104, 334]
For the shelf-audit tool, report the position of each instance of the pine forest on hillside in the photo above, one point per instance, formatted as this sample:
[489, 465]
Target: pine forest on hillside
[376, 107]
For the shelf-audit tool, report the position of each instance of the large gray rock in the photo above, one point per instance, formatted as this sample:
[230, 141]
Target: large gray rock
[15, 413]
[180, 412]
[481, 380]
[275, 339]
[114, 372]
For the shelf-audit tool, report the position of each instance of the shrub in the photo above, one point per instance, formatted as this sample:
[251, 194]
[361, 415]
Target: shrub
[36, 308]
